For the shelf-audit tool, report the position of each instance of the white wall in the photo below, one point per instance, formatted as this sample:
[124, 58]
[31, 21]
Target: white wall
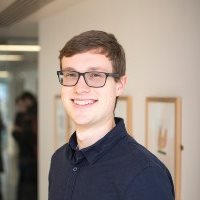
[162, 43]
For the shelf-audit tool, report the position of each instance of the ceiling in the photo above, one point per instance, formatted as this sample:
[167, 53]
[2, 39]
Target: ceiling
[19, 18]
[19, 25]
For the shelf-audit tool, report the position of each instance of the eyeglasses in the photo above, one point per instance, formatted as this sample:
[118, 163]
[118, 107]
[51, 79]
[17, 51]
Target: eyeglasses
[92, 79]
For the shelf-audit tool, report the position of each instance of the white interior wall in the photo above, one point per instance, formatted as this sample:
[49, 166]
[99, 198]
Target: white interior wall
[162, 43]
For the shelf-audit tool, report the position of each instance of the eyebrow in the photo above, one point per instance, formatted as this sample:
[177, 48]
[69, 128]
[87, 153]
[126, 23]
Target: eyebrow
[68, 69]
[97, 68]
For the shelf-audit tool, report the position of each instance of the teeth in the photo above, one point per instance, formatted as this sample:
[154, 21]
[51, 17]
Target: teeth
[83, 102]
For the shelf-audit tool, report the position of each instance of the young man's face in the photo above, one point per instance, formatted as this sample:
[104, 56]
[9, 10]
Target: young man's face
[89, 106]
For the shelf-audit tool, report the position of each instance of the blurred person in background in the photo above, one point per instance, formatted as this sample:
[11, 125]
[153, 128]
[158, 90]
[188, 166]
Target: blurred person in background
[25, 134]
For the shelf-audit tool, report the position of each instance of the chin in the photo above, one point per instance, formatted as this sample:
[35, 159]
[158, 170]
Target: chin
[81, 121]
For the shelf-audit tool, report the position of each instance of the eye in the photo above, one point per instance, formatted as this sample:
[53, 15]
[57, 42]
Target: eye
[68, 74]
[95, 75]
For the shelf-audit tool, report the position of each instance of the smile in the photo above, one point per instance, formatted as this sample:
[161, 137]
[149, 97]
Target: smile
[84, 102]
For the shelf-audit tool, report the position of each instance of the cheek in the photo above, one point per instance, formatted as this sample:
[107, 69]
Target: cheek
[108, 96]
[65, 91]
[111, 91]
[64, 96]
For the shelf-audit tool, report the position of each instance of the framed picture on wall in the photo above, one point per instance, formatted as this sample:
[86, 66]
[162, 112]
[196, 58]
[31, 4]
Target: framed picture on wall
[124, 110]
[163, 133]
[63, 124]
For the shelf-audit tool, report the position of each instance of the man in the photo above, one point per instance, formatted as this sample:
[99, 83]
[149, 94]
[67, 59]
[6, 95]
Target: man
[101, 161]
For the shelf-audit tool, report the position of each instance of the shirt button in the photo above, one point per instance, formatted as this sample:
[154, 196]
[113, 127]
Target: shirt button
[75, 169]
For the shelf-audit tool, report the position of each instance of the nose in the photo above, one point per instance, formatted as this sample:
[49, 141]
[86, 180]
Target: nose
[81, 86]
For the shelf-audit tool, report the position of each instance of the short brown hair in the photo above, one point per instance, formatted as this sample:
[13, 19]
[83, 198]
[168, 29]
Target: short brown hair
[99, 42]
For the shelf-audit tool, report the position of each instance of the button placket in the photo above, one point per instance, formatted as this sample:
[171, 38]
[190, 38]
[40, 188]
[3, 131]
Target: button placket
[73, 182]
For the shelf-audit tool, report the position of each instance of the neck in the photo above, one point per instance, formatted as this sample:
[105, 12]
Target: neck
[88, 136]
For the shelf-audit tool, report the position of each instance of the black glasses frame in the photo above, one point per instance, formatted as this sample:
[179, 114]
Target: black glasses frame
[114, 75]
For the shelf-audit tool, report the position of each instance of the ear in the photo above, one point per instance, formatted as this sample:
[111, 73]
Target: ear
[120, 85]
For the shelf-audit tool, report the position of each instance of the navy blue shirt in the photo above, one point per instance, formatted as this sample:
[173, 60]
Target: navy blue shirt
[114, 168]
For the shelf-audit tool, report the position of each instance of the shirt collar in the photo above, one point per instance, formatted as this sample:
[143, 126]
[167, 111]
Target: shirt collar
[95, 151]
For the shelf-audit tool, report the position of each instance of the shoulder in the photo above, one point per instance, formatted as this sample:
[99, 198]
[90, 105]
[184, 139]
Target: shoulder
[59, 154]
[58, 165]
[146, 170]
[139, 158]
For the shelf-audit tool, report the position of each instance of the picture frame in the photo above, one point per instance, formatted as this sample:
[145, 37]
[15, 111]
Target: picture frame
[63, 124]
[163, 134]
[124, 110]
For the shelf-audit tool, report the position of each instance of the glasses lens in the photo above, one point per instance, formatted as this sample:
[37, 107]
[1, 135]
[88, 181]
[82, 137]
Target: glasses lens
[95, 79]
[68, 78]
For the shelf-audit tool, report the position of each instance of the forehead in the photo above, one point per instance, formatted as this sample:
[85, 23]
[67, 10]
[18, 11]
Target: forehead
[86, 61]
